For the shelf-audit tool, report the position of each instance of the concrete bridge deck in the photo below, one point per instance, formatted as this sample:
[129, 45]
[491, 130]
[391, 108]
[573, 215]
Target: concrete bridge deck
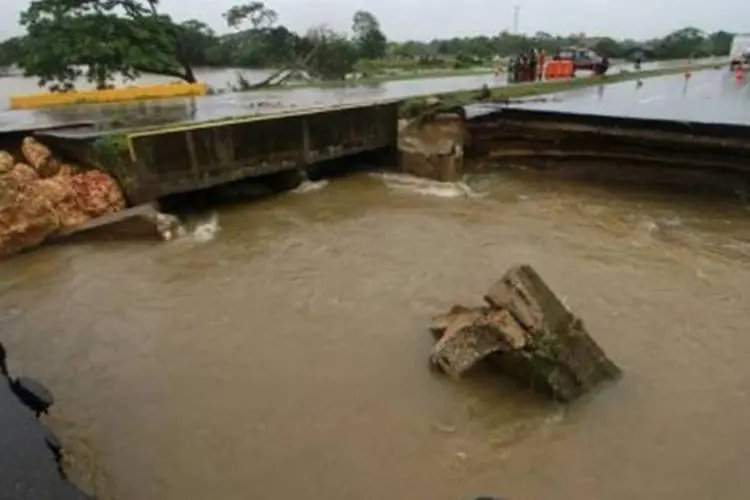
[184, 157]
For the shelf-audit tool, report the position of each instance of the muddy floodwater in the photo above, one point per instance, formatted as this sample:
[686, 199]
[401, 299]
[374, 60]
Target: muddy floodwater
[280, 351]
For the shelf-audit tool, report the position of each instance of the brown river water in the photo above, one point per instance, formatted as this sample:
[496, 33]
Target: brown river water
[280, 351]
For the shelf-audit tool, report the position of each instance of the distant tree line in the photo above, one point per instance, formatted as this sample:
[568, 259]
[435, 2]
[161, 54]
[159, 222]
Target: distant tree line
[98, 39]
[680, 44]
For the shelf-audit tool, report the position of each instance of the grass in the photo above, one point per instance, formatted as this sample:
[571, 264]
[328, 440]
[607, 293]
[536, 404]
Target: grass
[417, 106]
[409, 75]
[424, 74]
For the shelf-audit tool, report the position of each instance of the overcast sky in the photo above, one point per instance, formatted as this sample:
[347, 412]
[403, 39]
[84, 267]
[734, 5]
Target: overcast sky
[427, 19]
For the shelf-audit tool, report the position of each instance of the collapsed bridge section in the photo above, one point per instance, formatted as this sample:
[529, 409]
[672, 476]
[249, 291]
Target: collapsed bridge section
[548, 139]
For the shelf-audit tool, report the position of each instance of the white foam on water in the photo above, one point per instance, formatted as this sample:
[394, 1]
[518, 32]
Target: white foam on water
[427, 187]
[170, 227]
[310, 186]
[206, 230]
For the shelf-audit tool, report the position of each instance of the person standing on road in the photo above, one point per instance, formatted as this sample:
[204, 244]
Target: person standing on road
[522, 68]
[533, 60]
[540, 63]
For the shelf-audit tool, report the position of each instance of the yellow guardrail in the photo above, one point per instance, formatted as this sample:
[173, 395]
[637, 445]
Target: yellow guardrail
[34, 101]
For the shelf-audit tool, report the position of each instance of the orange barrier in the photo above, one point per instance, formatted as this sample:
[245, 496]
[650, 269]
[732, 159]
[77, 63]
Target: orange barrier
[555, 70]
[568, 69]
[551, 70]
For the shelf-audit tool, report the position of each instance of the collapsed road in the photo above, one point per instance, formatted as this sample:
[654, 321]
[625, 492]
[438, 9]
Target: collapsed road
[276, 358]
[689, 131]
[29, 462]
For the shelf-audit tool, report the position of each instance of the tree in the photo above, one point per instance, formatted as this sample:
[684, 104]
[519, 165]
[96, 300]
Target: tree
[197, 41]
[10, 51]
[608, 47]
[257, 13]
[370, 40]
[264, 43]
[331, 55]
[720, 42]
[98, 39]
[683, 43]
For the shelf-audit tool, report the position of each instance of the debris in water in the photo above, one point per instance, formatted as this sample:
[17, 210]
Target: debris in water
[528, 333]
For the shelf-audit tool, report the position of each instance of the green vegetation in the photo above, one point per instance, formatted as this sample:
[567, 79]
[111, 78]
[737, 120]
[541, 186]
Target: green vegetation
[98, 39]
[110, 149]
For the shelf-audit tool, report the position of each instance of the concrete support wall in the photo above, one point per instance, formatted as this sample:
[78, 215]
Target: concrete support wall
[434, 149]
[182, 159]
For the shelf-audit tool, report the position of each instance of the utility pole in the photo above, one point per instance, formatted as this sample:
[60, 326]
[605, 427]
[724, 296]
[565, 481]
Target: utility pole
[516, 11]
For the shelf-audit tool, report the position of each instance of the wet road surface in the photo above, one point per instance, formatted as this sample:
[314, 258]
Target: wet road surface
[243, 104]
[712, 96]
[280, 351]
[28, 470]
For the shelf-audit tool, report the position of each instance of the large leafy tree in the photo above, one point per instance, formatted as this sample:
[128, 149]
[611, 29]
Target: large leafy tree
[197, 39]
[331, 55]
[263, 43]
[720, 42]
[10, 51]
[98, 39]
[685, 42]
[257, 14]
[369, 38]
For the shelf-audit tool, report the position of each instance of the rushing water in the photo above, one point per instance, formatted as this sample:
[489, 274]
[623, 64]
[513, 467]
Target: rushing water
[279, 350]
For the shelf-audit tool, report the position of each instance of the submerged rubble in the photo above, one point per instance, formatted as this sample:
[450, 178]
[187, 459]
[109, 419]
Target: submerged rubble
[526, 332]
[41, 197]
[141, 221]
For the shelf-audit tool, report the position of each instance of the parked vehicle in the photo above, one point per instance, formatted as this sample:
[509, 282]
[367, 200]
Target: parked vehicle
[583, 59]
[740, 52]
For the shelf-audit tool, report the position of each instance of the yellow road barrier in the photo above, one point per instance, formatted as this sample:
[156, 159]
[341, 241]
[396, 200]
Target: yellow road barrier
[35, 101]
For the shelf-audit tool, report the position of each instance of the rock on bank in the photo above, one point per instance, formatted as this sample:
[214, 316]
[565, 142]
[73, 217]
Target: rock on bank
[41, 196]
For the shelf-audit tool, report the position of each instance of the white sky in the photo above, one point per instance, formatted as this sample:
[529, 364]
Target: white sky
[427, 19]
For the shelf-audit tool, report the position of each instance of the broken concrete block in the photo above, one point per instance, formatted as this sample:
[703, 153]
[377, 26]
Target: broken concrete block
[527, 333]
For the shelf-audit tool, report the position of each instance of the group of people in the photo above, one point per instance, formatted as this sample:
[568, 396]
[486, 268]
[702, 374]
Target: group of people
[527, 66]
